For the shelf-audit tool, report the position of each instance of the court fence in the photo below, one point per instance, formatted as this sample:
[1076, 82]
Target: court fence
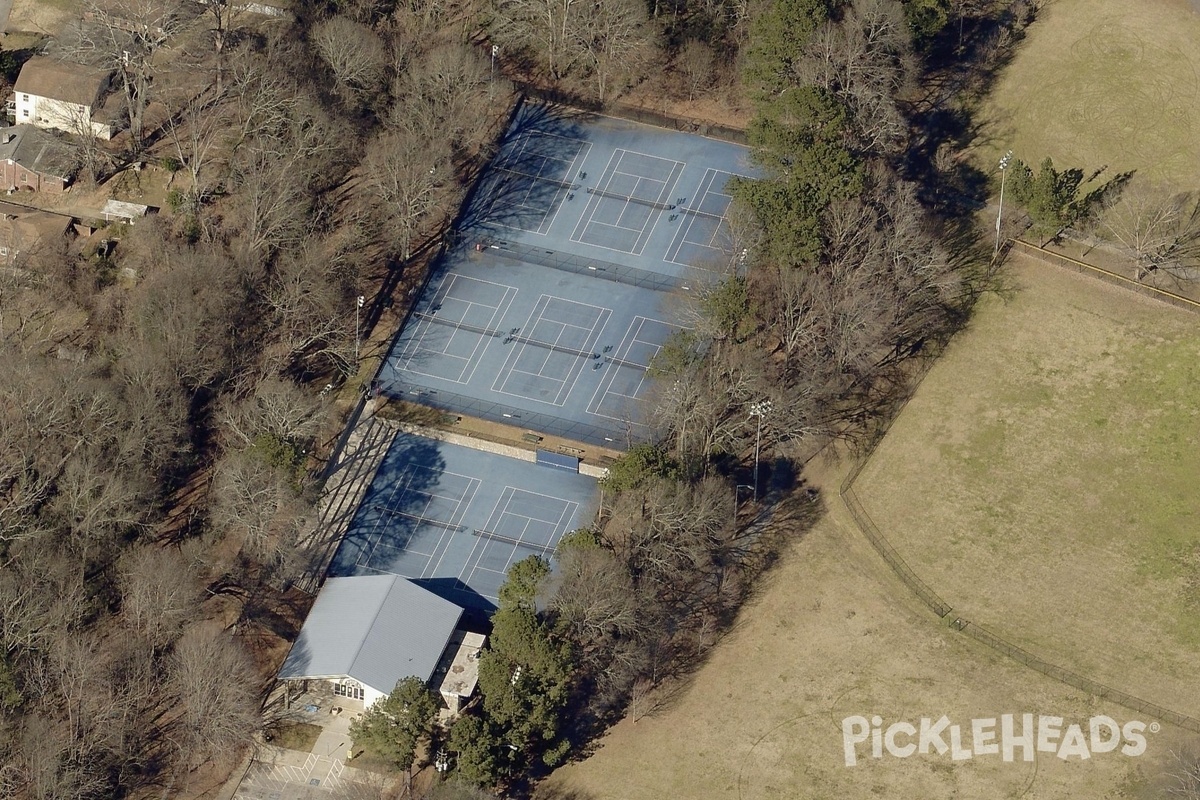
[646, 116]
[618, 435]
[943, 610]
[1084, 268]
[582, 265]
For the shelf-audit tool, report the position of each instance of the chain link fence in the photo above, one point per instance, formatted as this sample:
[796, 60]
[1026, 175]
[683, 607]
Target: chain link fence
[619, 435]
[1084, 268]
[582, 265]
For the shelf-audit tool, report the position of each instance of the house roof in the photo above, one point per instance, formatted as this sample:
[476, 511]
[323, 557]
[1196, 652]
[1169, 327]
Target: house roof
[376, 629]
[61, 80]
[120, 209]
[36, 150]
[22, 227]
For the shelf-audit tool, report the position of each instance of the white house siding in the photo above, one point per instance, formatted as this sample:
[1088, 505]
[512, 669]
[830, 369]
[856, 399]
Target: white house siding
[370, 696]
[59, 114]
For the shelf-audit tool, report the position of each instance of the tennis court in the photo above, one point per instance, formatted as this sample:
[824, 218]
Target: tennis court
[704, 236]
[546, 312]
[454, 519]
[531, 177]
[632, 192]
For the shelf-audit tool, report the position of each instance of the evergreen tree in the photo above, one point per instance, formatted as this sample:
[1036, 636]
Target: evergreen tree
[394, 726]
[525, 676]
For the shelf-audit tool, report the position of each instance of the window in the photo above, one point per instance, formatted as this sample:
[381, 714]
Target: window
[351, 690]
[24, 177]
[24, 98]
[24, 112]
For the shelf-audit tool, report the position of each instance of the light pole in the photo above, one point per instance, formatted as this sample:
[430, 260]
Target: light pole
[1003, 174]
[357, 311]
[758, 410]
[495, 52]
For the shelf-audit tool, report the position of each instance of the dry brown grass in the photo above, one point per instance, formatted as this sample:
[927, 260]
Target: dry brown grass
[1103, 82]
[835, 634]
[1043, 481]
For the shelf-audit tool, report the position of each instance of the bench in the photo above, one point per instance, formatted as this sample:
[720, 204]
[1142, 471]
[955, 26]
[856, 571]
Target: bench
[531, 438]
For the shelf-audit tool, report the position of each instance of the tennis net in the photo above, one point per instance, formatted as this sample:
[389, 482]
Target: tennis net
[499, 537]
[695, 212]
[631, 199]
[539, 178]
[582, 265]
[513, 335]
[419, 520]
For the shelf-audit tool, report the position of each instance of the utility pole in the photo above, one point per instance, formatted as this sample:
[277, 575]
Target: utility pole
[1003, 174]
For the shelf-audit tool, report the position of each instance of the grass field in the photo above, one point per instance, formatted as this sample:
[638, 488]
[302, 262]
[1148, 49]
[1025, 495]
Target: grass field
[1044, 478]
[1103, 82]
[834, 634]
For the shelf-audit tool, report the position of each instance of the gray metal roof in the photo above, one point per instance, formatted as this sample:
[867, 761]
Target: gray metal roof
[376, 629]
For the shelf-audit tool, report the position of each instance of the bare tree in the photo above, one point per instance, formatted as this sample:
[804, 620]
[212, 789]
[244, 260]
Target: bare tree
[257, 503]
[354, 53]
[1158, 228]
[197, 131]
[125, 36]
[275, 407]
[547, 28]
[1184, 779]
[158, 593]
[695, 64]
[408, 178]
[213, 682]
[614, 38]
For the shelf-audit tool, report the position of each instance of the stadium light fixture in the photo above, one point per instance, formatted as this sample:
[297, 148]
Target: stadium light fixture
[759, 410]
[1003, 174]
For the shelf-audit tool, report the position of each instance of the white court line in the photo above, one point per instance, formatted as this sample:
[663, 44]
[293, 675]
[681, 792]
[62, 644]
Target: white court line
[595, 224]
[645, 368]
[405, 480]
[473, 559]
[408, 477]
[460, 511]
[571, 170]
[510, 294]
[647, 229]
[424, 326]
[474, 359]
[604, 389]
[702, 193]
[572, 376]
[547, 221]
[496, 517]
[593, 203]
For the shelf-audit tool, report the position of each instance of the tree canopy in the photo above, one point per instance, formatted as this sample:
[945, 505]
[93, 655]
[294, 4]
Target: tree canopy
[393, 726]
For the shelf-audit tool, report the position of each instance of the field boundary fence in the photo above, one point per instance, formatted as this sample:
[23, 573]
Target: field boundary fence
[944, 610]
[1108, 276]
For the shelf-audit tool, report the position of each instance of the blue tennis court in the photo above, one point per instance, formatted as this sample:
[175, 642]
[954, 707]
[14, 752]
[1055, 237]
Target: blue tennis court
[565, 280]
[454, 519]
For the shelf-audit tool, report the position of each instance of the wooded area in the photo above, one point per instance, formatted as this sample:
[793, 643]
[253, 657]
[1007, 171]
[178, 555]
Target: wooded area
[153, 490]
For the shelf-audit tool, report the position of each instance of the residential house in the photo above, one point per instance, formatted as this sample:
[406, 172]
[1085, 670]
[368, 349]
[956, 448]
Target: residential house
[24, 229]
[34, 159]
[63, 95]
[365, 634]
